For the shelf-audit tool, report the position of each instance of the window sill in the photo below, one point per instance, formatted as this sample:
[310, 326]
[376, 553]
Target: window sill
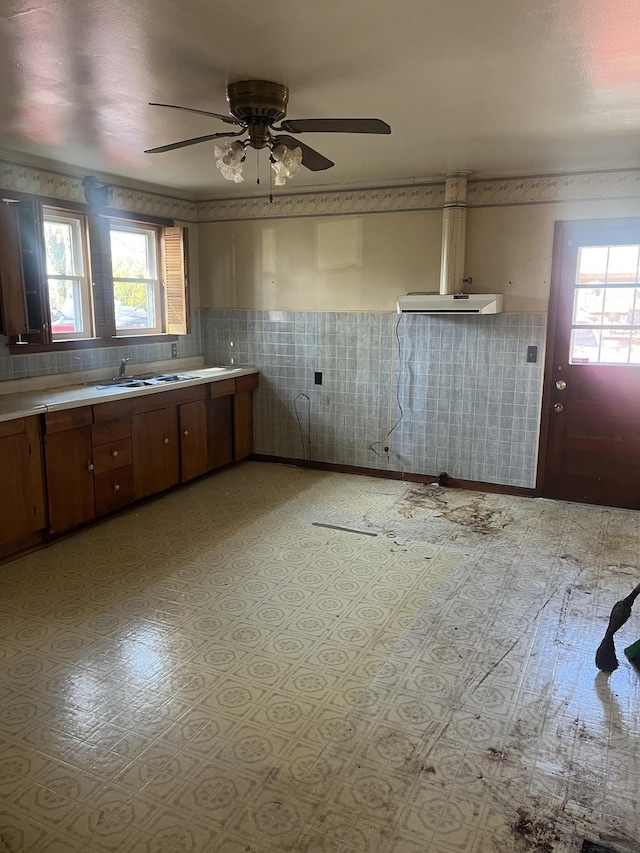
[91, 343]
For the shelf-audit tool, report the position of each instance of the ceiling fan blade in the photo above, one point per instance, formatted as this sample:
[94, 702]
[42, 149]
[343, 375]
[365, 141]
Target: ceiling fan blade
[227, 119]
[311, 158]
[336, 125]
[183, 144]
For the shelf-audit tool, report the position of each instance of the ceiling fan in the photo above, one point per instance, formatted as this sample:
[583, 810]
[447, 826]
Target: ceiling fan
[255, 106]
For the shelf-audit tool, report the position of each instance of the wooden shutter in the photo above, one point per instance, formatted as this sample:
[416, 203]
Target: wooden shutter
[34, 267]
[175, 280]
[101, 276]
[13, 303]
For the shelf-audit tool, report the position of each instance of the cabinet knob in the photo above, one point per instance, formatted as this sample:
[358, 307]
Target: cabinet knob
[186, 432]
[116, 488]
[166, 441]
[114, 453]
[90, 466]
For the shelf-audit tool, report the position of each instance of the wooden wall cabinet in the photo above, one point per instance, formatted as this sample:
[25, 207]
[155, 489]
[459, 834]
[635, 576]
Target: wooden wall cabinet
[22, 506]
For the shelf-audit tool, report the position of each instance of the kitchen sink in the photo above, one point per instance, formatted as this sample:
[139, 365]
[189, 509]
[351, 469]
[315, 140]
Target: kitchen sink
[142, 381]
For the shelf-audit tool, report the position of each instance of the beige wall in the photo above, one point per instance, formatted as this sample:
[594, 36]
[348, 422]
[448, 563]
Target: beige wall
[362, 262]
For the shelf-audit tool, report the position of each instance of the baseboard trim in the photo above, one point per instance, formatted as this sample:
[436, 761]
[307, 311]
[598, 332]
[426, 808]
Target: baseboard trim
[453, 482]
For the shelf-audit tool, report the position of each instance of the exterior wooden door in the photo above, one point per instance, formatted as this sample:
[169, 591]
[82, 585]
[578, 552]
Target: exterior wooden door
[590, 447]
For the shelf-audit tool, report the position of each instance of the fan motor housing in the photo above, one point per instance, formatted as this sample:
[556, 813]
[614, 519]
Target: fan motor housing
[258, 101]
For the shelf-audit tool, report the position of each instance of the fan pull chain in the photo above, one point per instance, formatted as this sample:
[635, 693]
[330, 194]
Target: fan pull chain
[257, 168]
[270, 182]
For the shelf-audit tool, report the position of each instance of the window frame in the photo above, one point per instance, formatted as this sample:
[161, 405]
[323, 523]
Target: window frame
[154, 284]
[81, 249]
[175, 300]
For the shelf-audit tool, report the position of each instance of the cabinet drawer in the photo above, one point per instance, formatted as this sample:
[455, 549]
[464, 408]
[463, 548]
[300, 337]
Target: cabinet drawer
[108, 431]
[68, 419]
[247, 383]
[163, 399]
[115, 410]
[116, 454]
[114, 489]
[222, 388]
[14, 427]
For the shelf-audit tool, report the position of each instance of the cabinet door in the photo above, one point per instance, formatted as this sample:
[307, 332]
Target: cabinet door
[22, 492]
[193, 439]
[156, 461]
[69, 464]
[220, 431]
[243, 415]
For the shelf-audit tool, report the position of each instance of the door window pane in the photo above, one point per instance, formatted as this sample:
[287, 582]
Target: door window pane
[622, 266]
[588, 304]
[592, 264]
[618, 305]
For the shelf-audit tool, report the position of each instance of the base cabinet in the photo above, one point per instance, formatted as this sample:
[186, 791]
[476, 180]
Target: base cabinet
[69, 466]
[65, 468]
[156, 452]
[22, 508]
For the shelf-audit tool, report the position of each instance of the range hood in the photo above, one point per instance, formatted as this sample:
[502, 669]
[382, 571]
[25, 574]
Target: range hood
[451, 298]
[450, 303]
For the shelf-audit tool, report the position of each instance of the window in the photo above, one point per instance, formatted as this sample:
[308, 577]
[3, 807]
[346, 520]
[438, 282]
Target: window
[79, 275]
[605, 326]
[136, 284]
[67, 276]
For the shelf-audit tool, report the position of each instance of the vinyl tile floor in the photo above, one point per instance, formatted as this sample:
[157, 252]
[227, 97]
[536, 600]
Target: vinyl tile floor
[226, 669]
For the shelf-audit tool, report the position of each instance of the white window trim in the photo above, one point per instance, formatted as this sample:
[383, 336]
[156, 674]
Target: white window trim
[80, 274]
[153, 283]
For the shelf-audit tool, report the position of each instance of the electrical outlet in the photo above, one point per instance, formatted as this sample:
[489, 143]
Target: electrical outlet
[532, 355]
[174, 350]
[317, 378]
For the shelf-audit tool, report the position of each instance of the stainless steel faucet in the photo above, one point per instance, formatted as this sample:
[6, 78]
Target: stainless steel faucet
[123, 367]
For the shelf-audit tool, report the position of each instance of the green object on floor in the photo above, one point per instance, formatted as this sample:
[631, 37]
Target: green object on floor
[633, 651]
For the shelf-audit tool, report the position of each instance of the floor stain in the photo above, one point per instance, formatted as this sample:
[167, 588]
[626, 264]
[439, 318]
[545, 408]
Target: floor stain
[536, 834]
[474, 515]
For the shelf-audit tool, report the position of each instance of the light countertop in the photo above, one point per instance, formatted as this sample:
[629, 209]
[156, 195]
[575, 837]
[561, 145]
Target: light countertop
[25, 404]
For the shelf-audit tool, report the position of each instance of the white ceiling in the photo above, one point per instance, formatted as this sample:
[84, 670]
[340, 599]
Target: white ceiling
[500, 87]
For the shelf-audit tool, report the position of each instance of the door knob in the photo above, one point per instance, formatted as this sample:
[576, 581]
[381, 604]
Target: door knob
[90, 466]
[561, 384]
[114, 453]
[116, 488]
[558, 407]
[165, 440]
[186, 432]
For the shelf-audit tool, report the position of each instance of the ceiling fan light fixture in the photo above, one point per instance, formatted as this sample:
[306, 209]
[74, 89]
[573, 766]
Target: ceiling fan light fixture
[285, 162]
[230, 157]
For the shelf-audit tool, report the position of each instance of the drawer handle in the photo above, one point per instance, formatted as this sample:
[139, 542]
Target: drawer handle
[166, 441]
[114, 453]
[116, 488]
[90, 466]
[186, 432]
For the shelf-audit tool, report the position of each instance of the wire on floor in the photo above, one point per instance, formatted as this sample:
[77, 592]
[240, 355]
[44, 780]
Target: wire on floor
[373, 444]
